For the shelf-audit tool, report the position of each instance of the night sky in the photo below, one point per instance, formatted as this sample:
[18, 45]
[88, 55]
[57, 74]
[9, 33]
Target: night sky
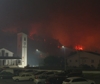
[72, 22]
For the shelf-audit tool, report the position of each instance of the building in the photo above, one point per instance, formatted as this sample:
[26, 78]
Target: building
[22, 48]
[78, 58]
[8, 58]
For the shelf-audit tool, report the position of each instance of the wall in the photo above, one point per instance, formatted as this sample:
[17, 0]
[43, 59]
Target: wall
[10, 54]
[83, 58]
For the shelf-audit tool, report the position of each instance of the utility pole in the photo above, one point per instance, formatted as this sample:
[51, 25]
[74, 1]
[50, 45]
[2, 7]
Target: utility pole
[63, 47]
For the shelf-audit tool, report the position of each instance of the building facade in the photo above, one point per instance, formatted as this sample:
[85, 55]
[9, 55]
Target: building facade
[83, 58]
[22, 48]
[8, 58]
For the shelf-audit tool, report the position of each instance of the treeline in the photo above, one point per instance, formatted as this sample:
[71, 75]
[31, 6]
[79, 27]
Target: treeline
[54, 61]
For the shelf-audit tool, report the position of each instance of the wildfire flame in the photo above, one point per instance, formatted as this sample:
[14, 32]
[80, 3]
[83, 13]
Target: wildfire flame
[78, 47]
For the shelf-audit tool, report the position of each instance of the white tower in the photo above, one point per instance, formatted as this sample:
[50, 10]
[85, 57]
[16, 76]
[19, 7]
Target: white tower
[22, 48]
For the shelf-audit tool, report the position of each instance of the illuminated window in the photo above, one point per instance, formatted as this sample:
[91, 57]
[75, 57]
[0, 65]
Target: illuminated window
[92, 61]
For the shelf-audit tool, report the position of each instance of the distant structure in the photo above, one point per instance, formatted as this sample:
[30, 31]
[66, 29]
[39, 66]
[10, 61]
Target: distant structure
[81, 58]
[7, 58]
[22, 48]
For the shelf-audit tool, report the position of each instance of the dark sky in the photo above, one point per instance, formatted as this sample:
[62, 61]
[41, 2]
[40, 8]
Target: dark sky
[73, 22]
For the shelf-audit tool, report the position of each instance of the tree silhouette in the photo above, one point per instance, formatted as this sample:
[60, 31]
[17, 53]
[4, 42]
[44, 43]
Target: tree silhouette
[51, 61]
[54, 62]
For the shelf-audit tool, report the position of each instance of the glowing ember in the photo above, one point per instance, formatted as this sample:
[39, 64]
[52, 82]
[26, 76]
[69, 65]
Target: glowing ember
[78, 47]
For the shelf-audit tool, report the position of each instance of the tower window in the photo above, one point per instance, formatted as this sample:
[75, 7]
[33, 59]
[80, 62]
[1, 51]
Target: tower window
[24, 39]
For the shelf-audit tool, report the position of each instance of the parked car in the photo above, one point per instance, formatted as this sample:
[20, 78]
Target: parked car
[74, 75]
[1, 69]
[26, 71]
[24, 77]
[8, 70]
[6, 75]
[17, 72]
[54, 80]
[49, 74]
[40, 80]
[61, 74]
[39, 74]
[13, 71]
[78, 80]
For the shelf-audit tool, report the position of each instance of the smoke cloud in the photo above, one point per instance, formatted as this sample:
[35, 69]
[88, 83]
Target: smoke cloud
[71, 22]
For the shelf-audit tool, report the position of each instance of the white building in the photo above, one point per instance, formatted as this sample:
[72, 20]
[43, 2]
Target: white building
[8, 58]
[83, 58]
[22, 48]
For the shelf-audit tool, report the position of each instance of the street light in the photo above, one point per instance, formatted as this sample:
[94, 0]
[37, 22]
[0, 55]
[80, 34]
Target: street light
[63, 47]
[37, 50]
[38, 56]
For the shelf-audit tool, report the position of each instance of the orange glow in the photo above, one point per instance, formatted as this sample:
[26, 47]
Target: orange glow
[78, 47]
[34, 28]
[58, 46]
[31, 35]
[44, 40]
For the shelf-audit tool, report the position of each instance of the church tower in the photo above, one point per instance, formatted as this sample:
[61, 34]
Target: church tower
[22, 48]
